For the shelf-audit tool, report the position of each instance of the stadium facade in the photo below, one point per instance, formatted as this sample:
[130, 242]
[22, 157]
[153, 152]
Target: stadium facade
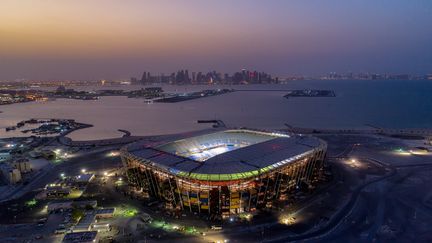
[225, 172]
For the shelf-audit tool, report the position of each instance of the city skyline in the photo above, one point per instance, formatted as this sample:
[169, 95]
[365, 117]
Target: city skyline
[91, 40]
[191, 77]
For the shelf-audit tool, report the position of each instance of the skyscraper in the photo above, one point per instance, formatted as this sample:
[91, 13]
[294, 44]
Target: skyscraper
[144, 78]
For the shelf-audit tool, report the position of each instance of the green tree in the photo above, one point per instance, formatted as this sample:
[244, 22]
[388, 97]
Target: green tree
[77, 214]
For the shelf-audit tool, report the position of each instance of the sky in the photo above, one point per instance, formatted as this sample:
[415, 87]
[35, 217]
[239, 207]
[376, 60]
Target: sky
[111, 39]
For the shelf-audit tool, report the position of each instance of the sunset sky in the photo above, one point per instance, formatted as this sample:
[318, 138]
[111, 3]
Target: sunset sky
[91, 39]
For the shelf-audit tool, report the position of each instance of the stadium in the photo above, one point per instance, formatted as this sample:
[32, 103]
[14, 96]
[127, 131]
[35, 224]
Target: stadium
[225, 172]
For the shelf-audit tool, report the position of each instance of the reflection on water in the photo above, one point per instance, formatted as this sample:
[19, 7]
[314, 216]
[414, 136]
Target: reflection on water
[381, 103]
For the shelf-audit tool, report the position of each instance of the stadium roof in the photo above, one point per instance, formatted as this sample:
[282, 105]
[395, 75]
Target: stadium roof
[265, 152]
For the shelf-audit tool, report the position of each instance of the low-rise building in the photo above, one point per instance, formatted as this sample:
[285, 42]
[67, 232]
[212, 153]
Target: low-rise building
[101, 227]
[85, 204]
[55, 206]
[85, 222]
[83, 179]
[88, 221]
[81, 237]
[57, 191]
[104, 213]
[5, 155]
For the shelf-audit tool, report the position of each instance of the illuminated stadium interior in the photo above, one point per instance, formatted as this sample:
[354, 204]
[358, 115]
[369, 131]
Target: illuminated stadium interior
[204, 147]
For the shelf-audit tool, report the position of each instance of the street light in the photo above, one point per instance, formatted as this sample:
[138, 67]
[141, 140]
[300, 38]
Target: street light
[83, 170]
[288, 220]
[105, 173]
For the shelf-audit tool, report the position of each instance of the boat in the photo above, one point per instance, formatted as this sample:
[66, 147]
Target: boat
[10, 129]
[148, 101]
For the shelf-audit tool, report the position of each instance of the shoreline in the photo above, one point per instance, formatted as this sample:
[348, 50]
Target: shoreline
[402, 133]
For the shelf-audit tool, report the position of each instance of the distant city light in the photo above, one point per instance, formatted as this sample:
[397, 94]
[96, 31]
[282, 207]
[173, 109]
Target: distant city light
[83, 170]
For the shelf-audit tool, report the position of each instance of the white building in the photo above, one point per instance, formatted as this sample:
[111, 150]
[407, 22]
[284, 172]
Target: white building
[11, 175]
[23, 165]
